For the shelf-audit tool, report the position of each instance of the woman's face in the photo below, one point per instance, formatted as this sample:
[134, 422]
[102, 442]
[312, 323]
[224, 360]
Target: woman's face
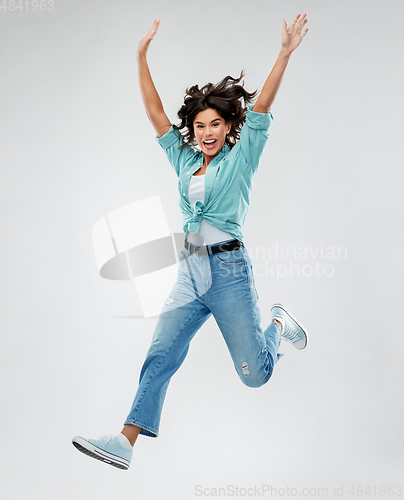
[210, 131]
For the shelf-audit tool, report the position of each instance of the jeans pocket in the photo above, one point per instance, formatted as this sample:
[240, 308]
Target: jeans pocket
[232, 258]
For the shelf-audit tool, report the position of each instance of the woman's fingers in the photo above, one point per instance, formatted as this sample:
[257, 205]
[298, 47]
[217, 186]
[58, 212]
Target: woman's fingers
[299, 23]
[144, 44]
[152, 32]
[154, 29]
[292, 36]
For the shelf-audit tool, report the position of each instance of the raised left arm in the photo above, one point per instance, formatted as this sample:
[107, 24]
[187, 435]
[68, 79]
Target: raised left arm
[291, 39]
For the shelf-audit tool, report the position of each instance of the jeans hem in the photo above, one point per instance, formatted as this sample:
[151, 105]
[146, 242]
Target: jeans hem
[146, 430]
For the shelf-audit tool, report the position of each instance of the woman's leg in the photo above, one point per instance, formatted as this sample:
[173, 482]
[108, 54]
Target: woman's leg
[182, 316]
[183, 313]
[232, 299]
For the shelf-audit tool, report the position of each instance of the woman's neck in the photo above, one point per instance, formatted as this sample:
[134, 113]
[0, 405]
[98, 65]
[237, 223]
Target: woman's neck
[207, 159]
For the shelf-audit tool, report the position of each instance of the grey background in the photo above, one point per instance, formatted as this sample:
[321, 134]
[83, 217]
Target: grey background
[76, 144]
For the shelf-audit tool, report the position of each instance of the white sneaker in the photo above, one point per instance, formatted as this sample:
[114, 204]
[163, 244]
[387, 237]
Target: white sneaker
[293, 331]
[108, 449]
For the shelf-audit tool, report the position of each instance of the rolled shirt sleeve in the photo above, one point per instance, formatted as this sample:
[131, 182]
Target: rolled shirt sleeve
[170, 142]
[254, 135]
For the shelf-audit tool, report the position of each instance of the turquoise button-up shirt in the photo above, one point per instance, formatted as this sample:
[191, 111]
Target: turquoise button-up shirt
[228, 178]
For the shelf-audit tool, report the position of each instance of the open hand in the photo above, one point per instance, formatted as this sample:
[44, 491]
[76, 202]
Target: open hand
[144, 44]
[292, 36]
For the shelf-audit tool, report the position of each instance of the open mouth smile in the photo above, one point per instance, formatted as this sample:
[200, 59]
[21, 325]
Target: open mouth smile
[210, 144]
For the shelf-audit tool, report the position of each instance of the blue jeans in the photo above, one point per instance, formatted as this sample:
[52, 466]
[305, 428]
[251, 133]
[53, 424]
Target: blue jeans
[221, 284]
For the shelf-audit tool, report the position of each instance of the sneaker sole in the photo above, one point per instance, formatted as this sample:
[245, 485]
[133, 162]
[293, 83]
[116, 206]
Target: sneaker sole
[281, 306]
[95, 452]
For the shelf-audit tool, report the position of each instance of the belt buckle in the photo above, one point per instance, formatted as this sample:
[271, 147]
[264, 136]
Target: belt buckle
[200, 251]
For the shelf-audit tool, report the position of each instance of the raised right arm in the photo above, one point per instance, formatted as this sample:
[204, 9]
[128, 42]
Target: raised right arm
[151, 100]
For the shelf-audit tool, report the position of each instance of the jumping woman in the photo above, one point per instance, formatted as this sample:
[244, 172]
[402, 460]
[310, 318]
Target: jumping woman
[216, 160]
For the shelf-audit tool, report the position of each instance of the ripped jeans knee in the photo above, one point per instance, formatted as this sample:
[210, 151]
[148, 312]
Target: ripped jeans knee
[251, 378]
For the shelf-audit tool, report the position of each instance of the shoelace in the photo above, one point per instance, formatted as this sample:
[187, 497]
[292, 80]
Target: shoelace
[290, 335]
[106, 437]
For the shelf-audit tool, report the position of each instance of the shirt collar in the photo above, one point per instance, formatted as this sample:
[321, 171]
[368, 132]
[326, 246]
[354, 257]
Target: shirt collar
[223, 152]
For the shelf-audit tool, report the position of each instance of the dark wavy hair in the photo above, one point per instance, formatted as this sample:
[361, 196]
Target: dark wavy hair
[225, 97]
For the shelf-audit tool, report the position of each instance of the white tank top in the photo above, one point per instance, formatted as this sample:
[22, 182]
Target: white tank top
[210, 234]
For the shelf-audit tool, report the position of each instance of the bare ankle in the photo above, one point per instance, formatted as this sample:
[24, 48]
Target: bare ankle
[278, 322]
[131, 432]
